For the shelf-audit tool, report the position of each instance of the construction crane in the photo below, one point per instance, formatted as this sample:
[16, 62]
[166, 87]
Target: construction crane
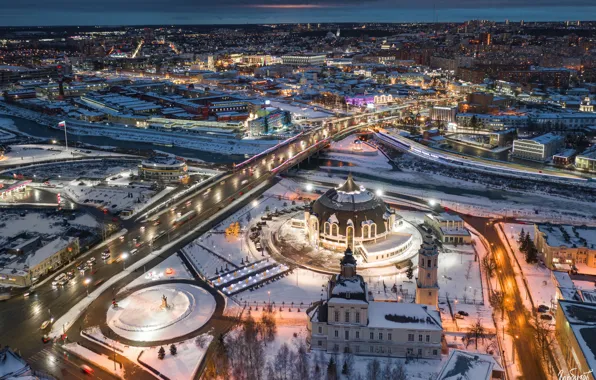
[141, 42]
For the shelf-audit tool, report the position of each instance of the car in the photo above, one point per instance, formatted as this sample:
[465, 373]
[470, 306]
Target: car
[157, 222]
[107, 250]
[134, 251]
[122, 238]
[543, 308]
[86, 369]
[546, 317]
[142, 228]
[105, 256]
[459, 316]
[29, 293]
[91, 261]
[45, 339]
[45, 324]
[464, 313]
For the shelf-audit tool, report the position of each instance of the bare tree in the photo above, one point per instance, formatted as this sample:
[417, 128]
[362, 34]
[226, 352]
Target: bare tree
[497, 301]
[489, 265]
[268, 326]
[373, 370]
[283, 363]
[477, 332]
[544, 335]
[302, 365]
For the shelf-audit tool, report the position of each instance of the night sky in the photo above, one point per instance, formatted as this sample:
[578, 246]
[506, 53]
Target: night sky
[121, 12]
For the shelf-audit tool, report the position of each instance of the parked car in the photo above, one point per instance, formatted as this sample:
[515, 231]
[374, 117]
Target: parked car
[459, 316]
[546, 317]
[464, 313]
[86, 369]
[543, 308]
[45, 324]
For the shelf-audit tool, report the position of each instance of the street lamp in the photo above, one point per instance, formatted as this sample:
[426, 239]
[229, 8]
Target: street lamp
[308, 187]
[379, 193]
[86, 282]
[124, 257]
[269, 294]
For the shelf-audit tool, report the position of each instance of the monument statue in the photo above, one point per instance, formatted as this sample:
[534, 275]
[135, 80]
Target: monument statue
[164, 302]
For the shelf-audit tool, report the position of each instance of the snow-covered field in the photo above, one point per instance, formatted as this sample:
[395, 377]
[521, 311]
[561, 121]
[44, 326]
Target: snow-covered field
[88, 168]
[171, 268]
[36, 153]
[142, 317]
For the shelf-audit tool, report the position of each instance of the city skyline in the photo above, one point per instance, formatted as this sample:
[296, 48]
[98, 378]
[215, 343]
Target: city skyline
[67, 12]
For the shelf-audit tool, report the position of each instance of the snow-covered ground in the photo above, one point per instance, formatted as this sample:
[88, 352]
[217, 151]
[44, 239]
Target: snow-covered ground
[142, 316]
[182, 366]
[171, 268]
[291, 330]
[5, 135]
[36, 153]
[91, 168]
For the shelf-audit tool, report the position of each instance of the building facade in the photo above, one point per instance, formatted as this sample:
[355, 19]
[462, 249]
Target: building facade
[449, 228]
[562, 245]
[348, 321]
[539, 148]
[163, 170]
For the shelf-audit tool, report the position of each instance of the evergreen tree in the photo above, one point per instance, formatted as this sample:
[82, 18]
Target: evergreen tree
[173, 350]
[410, 271]
[525, 245]
[161, 353]
[522, 236]
[331, 369]
[344, 369]
[532, 254]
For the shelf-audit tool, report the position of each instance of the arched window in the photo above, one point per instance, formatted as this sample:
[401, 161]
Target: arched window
[365, 231]
[373, 230]
[350, 236]
[327, 228]
[334, 229]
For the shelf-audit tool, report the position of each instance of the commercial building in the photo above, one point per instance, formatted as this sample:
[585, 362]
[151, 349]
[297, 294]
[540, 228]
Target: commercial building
[564, 246]
[586, 160]
[449, 228]
[25, 268]
[540, 148]
[14, 74]
[446, 114]
[304, 59]
[575, 331]
[349, 322]
[272, 121]
[163, 170]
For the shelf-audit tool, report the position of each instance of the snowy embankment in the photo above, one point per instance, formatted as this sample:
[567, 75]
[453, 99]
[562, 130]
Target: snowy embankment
[36, 153]
[101, 361]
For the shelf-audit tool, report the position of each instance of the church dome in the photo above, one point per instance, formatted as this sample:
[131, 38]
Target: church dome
[351, 205]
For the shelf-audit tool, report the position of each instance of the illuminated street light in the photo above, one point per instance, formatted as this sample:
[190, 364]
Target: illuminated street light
[86, 282]
[432, 202]
[308, 187]
[124, 257]
[379, 193]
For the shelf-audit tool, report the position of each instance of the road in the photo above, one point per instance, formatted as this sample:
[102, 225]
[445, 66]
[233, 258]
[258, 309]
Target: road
[525, 343]
[143, 236]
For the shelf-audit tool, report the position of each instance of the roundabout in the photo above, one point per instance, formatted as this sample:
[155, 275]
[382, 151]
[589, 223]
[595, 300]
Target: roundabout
[161, 312]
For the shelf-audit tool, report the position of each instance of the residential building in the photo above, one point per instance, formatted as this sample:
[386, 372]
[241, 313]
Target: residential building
[449, 228]
[564, 246]
[348, 321]
[304, 59]
[23, 270]
[586, 160]
[575, 330]
[540, 148]
[164, 170]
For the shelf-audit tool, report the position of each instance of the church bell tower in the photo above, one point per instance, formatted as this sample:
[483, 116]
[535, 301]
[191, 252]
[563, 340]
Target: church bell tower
[427, 284]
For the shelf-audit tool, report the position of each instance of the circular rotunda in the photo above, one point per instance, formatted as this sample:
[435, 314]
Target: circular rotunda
[348, 216]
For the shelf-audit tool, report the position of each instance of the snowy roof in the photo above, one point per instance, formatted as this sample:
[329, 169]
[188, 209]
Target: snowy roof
[445, 217]
[354, 285]
[469, 365]
[568, 236]
[582, 318]
[403, 315]
[11, 365]
[48, 251]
